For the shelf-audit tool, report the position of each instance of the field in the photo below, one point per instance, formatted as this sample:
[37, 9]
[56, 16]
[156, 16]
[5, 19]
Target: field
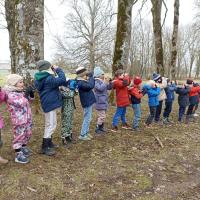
[116, 166]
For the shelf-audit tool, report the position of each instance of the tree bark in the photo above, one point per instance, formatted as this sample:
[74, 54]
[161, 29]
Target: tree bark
[174, 39]
[157, 29]
[25, 23]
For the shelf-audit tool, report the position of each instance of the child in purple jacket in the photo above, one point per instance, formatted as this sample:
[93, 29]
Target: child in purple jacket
[101, 94]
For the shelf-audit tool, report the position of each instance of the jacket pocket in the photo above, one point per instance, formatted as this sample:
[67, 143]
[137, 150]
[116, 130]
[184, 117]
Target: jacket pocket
[102, 99]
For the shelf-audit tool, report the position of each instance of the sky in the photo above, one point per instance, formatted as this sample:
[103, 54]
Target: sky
[55, 13]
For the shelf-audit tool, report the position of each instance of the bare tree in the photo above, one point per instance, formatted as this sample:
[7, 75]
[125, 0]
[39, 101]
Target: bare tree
[157, 29]
[174, 39]
[88, 39]
[26, 34]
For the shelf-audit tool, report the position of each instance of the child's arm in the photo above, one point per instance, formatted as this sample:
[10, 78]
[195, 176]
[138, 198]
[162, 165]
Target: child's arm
[100, 86]
[87, 85]
[121, 83]
[136, 93]
[153, 92]
[2, 96]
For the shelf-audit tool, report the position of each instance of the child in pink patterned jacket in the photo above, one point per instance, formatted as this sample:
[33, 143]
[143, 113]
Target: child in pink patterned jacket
[2, 99]
[21, 117]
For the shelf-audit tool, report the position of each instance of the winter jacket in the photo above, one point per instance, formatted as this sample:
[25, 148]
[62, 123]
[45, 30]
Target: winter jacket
[153, 94]
[2, 99]
[169, 90]
[194, 95]
[183, 98]
[122, 94]
[85, 88]
[48, 88]
[19, 108]
[136, 94]
[101, 94]
[162, 87]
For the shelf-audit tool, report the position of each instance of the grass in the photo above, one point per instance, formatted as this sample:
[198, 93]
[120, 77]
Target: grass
[124, 165]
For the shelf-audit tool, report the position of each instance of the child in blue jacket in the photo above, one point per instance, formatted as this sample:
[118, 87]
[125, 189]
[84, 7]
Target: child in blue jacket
[169, 90]
[153, 92]
[86, 83]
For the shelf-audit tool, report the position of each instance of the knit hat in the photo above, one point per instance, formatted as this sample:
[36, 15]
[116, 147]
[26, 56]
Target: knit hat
[13, 79]
[156, 76]
[189, 81]
[98, 72]
[119, 72]
[81, 71]
[43, 65]
[137, 80]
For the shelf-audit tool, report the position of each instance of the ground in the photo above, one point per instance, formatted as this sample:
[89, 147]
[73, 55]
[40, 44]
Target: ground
[117, 166]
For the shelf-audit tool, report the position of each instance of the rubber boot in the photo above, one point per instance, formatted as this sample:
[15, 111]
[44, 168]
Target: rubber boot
[98, 130]
[46, 149]
[102, 128]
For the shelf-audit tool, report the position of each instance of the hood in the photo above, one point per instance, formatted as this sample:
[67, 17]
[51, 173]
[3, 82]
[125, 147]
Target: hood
[41, 75]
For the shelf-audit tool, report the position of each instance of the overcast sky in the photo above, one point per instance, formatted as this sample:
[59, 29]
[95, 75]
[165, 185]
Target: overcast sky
[55, 16]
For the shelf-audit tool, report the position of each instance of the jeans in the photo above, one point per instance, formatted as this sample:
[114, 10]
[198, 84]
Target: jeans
[120, 112]
[191, 109]
[181, 112]
[152, 115]
[87, 116]
[137, 115]
[158, 111]
[168, 109]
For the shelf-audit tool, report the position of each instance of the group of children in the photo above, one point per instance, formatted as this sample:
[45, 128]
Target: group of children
[56, 91]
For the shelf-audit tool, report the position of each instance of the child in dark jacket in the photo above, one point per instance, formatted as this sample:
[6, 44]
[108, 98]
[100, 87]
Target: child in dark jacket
[169, 90]
[136, 95]
[183, 100]
[51, 99]
[120, 84]
[193, 99]
[86, 85]
[102, 85]
[153, 92]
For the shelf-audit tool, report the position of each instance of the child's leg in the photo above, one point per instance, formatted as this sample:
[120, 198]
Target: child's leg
[137, 115]
[101, 116]
[50, 123]
[190, 110]
[117, 115]
[158, 111]
[86, 121]
[150, 118]
[123, 115]
[181, 112]
[28, 132]
[168, 109]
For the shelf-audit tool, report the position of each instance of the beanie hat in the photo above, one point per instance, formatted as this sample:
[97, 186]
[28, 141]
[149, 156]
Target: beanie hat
[156, 76]
[13, 79]
[98, 72]
[119, 72]
[137, 80]
[43, 65]
[81, 71]
[189, 81]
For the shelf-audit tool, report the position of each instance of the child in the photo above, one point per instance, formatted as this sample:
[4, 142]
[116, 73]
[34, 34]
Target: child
[101, 93]
[86, 84]
[153, 92]
[183, 100]
[2, 99]
[169, 90]
[136, 95]
[162, 84]
[193, 99]
[67, 112]
[51, 99]
[21, 117]
[120, 84]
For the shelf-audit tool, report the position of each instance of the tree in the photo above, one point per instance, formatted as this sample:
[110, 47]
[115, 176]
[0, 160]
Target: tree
[25, 23]
[88, 39]
[174, 39]
[123, 34]
[157, 29]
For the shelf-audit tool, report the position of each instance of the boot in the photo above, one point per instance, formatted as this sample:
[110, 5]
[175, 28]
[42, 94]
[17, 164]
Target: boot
[52, 145]
[102, 128]
[3, 161]
[70, 139]
[98, 130]
[187, 119]
[46, 149]
[165, 120]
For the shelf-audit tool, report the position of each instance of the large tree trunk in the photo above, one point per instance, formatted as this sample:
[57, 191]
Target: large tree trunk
[157, 29]
[25, 22]
[174, 39]
[123, 35]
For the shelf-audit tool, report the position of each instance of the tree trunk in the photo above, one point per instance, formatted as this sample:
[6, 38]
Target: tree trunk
[123, 35]
[157, 29]
[25, 23]
[174, 39]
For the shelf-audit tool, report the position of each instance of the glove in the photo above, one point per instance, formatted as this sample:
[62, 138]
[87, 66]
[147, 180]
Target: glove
[125, 82]
[29, 92]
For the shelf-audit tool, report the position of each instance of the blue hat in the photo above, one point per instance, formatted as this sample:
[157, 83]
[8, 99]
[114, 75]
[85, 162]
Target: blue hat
[98, 72]
[156, 76]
